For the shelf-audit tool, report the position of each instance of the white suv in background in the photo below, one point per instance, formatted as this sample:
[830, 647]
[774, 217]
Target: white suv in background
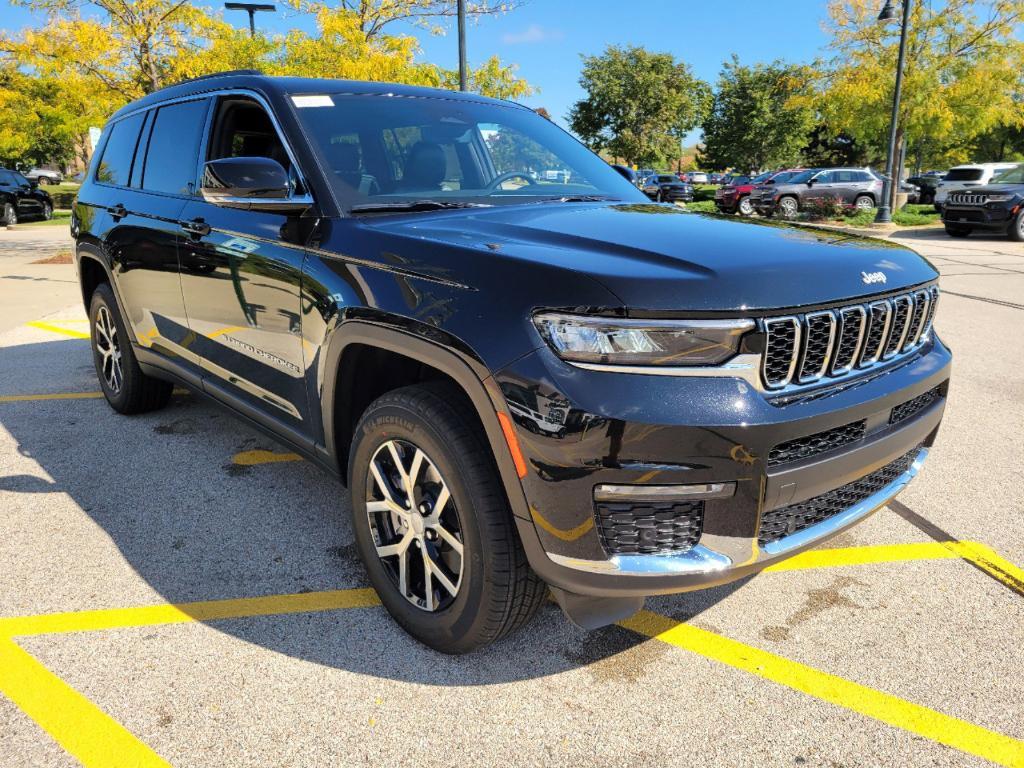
[965, 176]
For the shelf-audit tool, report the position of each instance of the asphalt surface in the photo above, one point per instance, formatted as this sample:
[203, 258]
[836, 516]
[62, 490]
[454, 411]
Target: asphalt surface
[912, 662]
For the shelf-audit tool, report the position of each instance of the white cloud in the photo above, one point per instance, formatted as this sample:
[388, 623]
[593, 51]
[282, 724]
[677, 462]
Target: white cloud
[534, 33]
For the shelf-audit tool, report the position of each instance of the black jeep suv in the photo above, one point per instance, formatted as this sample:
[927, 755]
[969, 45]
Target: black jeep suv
[524, 383]
[21, 198]
[996, 207]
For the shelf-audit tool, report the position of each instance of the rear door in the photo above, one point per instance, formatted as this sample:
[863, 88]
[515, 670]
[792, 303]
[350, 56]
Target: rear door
[147, 173]
[241, 279]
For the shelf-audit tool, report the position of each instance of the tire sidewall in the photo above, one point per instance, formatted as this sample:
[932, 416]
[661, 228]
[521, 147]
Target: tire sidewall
[859, 207]
[1016, 229]
[450, 629]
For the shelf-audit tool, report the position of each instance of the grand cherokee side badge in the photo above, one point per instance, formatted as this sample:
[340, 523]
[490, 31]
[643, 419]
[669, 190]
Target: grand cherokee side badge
[872, 277]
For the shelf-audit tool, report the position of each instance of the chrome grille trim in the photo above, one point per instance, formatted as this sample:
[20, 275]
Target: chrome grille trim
[845, 327]
[810, 369]
[845, 340]
[966, 198]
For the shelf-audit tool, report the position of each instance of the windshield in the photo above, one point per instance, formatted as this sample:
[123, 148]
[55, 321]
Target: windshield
[1010, 176]
[392, 150]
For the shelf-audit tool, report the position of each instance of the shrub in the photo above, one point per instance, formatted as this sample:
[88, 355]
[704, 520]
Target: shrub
[823, 208]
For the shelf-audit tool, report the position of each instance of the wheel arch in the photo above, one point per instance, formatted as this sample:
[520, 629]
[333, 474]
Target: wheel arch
[92, 271]
[361, 345]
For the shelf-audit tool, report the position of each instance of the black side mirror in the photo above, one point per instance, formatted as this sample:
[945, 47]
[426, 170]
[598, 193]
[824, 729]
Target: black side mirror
[811, 182]
[251, 183]
[625, 173]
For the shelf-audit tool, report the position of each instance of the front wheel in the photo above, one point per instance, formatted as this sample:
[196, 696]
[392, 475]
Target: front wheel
[47, 212]
[954, 231]
[746, 207]
[10, 215]
[432, 523]
[788, 207]
[1016, 228]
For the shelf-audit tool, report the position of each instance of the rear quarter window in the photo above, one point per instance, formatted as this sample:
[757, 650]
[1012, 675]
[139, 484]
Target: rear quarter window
[116, 163]
[173, 151]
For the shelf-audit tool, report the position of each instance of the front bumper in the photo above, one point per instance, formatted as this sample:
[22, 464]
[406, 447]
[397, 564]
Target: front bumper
[997, 217]
[584, 428]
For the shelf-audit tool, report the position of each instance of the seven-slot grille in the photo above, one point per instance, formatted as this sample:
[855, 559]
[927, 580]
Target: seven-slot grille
[966, 198]
[803, 349]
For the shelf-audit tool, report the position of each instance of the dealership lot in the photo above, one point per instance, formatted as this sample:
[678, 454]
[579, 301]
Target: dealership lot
[178, 589]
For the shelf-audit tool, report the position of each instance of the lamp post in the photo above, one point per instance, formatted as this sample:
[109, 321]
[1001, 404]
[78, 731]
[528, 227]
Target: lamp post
[463, 75]
[251, 9]
[888, 13]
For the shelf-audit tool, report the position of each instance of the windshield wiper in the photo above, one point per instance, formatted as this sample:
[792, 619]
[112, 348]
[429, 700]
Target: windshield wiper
[581, 199]
[415, 205]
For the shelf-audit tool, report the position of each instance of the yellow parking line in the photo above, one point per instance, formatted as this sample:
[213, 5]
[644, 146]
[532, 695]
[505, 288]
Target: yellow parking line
[57, 329]
[54, 396]
[985, 558]
[881, 553]
[252, 458]
[78, 725]
[885, 707]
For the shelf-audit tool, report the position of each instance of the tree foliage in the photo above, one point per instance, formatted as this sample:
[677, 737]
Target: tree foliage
[961, 79]
[757, 119]
[639, 104]
[373, 16]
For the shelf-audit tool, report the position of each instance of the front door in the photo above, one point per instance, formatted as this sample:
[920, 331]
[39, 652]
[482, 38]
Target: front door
[241, 278]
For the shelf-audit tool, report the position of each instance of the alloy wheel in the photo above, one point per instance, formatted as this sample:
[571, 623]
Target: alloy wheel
[788, 207]
[47, 211]
[10, 215]
[109, 350]
[746, 207]
[865, 203]
[415, 525]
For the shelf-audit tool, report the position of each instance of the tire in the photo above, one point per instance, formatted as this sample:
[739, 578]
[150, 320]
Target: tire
[788, 207]
[10, 215]
[47, 212]
[44, 181]
[124, 385]
[496, 592]
[745, 207]
[864, 203]
[1016, 229]
[956, 231]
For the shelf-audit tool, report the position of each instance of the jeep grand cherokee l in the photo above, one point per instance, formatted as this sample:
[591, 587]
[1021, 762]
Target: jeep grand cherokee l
[524, 383]
[995, 207]
[852, 187]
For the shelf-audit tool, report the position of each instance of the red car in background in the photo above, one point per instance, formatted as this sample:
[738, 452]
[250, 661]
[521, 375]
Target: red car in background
[732, 197]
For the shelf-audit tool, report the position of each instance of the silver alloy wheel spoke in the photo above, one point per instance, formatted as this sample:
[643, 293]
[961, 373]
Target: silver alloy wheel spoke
[399, 527]
[110, 353]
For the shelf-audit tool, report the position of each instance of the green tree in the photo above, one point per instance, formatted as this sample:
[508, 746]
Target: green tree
[826, 147]
[639, 104]
[373, 16]
[757, 119]
[963, 72]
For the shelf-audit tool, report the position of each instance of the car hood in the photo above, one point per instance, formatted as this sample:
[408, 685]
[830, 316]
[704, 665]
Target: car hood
[663, 259]
[996, 189]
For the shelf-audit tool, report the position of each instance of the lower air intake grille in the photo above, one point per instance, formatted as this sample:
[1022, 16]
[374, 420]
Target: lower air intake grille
[650, 528]
[911, 408]
[812, 445]
[782, 522]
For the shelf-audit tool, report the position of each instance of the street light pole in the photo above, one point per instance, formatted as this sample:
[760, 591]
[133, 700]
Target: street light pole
[251, 9]
[884, 215]
[463, 75]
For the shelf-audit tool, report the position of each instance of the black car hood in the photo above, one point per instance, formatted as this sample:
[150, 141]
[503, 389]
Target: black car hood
[663, 259]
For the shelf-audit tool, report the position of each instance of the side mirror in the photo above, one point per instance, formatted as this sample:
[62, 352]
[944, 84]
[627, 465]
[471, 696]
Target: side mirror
[33, 184]
[250, 183]
[811, 182]
[625, 172]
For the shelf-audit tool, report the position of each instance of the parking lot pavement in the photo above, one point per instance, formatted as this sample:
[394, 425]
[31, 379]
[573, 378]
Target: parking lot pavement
[178, 589]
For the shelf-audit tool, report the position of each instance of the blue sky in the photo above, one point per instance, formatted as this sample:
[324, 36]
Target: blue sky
[546, 37]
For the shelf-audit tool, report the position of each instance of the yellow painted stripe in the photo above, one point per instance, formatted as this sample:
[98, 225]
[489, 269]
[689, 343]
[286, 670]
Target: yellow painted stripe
[882, 553]
[57, 329]
[54, 396]
[985, 558]
[252, 458]
[180, 613]
[885, 707]
[90, 735]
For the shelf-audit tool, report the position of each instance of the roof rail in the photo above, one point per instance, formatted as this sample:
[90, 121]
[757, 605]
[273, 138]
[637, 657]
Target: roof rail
[226, 73]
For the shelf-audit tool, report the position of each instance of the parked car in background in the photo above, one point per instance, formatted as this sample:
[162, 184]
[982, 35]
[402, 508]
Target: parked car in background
[766, 186]
[22, 199]
[853, 187]
[45, 176]
[557, 175]
[911, 190]
[967, 176]
[683, 176]
[927, 184]
[994, 207]
[715, 178]
[666, 188]
[734, 196]
[698, 177]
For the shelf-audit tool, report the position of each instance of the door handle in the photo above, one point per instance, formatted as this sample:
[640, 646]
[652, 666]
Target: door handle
[118, 212]
[196, 227]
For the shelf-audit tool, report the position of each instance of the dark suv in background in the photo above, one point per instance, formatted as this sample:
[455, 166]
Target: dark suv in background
[852, 187]
[666, 188]
[22, 199]
[525, 383]
[995, 207]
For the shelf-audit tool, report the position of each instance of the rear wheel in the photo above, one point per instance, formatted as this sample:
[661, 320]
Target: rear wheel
[433, 525]
[955, 231]
[125, 386]
[864, 202]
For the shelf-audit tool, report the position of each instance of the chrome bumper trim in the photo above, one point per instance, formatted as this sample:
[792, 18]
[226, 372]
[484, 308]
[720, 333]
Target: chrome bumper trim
[700, 559]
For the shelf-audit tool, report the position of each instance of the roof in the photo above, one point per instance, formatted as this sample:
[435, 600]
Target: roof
[279, 86]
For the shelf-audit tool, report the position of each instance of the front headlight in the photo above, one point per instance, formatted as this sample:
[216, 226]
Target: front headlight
[1000, 198]
[614, 341]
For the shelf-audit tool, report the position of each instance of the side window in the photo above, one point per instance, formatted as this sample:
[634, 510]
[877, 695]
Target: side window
[242, 128]
[828, 177]
[174, 148]
[116, 163]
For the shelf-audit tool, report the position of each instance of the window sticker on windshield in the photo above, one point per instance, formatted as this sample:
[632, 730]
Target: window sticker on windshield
[313, 100]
